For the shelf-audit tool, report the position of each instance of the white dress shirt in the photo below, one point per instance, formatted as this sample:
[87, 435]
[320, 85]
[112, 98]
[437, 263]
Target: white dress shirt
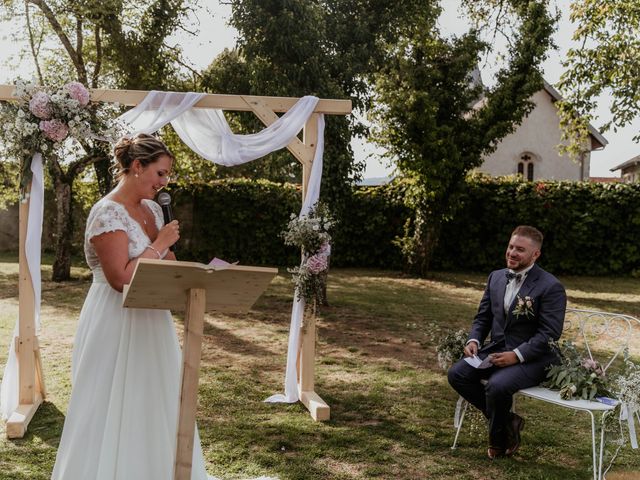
[513, 287]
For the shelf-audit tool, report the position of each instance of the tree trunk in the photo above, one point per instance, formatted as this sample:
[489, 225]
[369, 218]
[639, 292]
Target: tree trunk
[63, 230]
[104, 176]
[426, 238]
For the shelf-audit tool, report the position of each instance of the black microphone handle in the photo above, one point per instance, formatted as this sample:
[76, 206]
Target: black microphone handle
[168, 218]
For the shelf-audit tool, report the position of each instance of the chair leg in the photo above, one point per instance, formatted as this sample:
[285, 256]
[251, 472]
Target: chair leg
[604, 415]
[462, 414]
[593, 446]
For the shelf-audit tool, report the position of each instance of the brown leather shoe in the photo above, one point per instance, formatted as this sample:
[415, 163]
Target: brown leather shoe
[516, 424]
[495, 452]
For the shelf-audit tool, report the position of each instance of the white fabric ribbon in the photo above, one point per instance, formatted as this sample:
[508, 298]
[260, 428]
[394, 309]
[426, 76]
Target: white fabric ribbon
[291, 393]
[9, 390]
[158, 109]
[629, 415]
[457, 416]
[208, 134]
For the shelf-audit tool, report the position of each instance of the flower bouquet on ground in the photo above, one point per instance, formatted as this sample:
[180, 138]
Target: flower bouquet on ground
[450, 348]
[576, 377]
[310, 233]
[620, 425]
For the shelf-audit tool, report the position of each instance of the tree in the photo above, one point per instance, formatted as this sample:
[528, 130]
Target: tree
[101, 43]
[606, 60]
[428, 116]
[327, 48]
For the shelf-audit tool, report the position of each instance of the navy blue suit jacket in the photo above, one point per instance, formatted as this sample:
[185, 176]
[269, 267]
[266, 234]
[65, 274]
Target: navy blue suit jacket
[529, 334]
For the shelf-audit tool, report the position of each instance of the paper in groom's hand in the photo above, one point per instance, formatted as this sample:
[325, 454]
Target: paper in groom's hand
[476, 362]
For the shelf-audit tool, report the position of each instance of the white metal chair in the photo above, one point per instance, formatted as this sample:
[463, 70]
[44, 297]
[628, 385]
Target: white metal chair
[589, 330]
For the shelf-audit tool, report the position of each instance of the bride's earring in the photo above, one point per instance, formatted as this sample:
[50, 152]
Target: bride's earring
[136, 175]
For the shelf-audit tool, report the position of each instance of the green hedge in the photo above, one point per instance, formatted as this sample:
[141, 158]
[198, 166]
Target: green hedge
[590, 228]
[236, 219]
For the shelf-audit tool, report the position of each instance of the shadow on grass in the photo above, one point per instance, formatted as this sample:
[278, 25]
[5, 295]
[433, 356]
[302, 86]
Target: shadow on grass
[231, 343]
[32, 457]
[612, 306]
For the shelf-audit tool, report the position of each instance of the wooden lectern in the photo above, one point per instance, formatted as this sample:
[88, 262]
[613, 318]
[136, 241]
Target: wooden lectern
[195, 288]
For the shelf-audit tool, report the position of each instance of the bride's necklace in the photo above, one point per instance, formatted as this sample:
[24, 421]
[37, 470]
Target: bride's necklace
[140, 212]
[143, 215]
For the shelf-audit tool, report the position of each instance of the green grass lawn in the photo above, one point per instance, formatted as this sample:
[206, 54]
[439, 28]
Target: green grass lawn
[391, 406]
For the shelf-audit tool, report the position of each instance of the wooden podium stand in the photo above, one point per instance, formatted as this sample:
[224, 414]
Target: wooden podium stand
[195, 288]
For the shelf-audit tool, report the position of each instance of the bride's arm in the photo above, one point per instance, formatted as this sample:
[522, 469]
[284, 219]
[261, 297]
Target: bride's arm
[112, 249]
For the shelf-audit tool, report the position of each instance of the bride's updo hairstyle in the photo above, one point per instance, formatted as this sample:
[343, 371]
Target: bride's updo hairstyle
[144, 148]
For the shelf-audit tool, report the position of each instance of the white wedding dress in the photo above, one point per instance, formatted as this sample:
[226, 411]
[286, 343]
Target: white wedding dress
[122, 416]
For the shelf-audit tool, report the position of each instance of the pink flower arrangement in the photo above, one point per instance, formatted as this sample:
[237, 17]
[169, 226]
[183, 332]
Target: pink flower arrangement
[55, 130]
[40, 105]
[317, 263]
[592, 365]
[78, 92]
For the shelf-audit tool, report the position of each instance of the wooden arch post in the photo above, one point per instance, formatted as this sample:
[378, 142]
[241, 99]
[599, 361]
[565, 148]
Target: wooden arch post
[31, 379]
[31, 389]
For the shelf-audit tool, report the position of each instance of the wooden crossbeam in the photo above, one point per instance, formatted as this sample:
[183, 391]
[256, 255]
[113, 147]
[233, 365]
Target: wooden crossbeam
[240, 103]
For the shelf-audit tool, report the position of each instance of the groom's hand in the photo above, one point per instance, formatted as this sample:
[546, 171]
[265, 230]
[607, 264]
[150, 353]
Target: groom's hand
[504, 359]
[470, 349]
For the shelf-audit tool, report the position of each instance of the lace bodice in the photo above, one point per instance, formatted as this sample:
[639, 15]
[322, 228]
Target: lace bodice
[109, 216]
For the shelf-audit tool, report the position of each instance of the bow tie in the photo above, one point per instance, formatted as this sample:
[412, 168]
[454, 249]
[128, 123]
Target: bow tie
[510, 276]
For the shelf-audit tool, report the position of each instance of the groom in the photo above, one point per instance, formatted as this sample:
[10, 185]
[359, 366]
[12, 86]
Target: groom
[522, 308]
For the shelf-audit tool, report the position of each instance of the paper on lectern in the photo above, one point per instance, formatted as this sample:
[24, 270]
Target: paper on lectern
[219, 264]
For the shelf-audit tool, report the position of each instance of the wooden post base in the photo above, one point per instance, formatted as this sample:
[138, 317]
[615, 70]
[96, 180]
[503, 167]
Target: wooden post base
[317, 407]
[19, 420]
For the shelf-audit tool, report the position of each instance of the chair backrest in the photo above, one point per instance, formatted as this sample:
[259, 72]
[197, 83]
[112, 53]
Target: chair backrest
[607, 333]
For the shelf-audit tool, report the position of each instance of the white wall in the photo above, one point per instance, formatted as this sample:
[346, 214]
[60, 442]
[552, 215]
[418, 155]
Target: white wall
[539, 134]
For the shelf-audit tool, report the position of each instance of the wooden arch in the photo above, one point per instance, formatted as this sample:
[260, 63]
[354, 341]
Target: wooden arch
[31, 379]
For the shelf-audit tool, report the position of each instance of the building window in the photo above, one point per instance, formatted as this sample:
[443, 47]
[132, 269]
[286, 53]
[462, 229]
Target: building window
[526, 162]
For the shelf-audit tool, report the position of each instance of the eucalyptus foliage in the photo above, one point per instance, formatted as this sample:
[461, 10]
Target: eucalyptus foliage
[576, 376]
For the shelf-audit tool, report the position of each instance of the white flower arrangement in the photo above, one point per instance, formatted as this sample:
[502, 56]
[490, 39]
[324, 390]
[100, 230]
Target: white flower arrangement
[626, 389]
[450, 348]
[46, 121]
[310, 232]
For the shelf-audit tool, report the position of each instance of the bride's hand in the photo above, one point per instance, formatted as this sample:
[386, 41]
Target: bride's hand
[168, 235]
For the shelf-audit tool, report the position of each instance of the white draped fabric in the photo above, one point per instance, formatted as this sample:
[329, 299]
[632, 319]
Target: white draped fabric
[9, 390]
[207, 133]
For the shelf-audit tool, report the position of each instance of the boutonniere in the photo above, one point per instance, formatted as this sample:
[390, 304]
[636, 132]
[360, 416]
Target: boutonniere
[524, 306]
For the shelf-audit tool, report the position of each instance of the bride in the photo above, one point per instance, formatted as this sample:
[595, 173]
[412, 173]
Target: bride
[122, 417]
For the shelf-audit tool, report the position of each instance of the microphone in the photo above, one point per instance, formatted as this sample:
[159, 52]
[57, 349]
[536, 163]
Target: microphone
[164, 199]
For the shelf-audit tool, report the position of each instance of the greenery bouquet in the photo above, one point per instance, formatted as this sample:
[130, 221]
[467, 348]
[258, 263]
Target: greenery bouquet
[310, 232]
[576, 377]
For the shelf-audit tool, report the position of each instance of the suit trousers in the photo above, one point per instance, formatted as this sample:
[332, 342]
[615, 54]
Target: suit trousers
[495, 397]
